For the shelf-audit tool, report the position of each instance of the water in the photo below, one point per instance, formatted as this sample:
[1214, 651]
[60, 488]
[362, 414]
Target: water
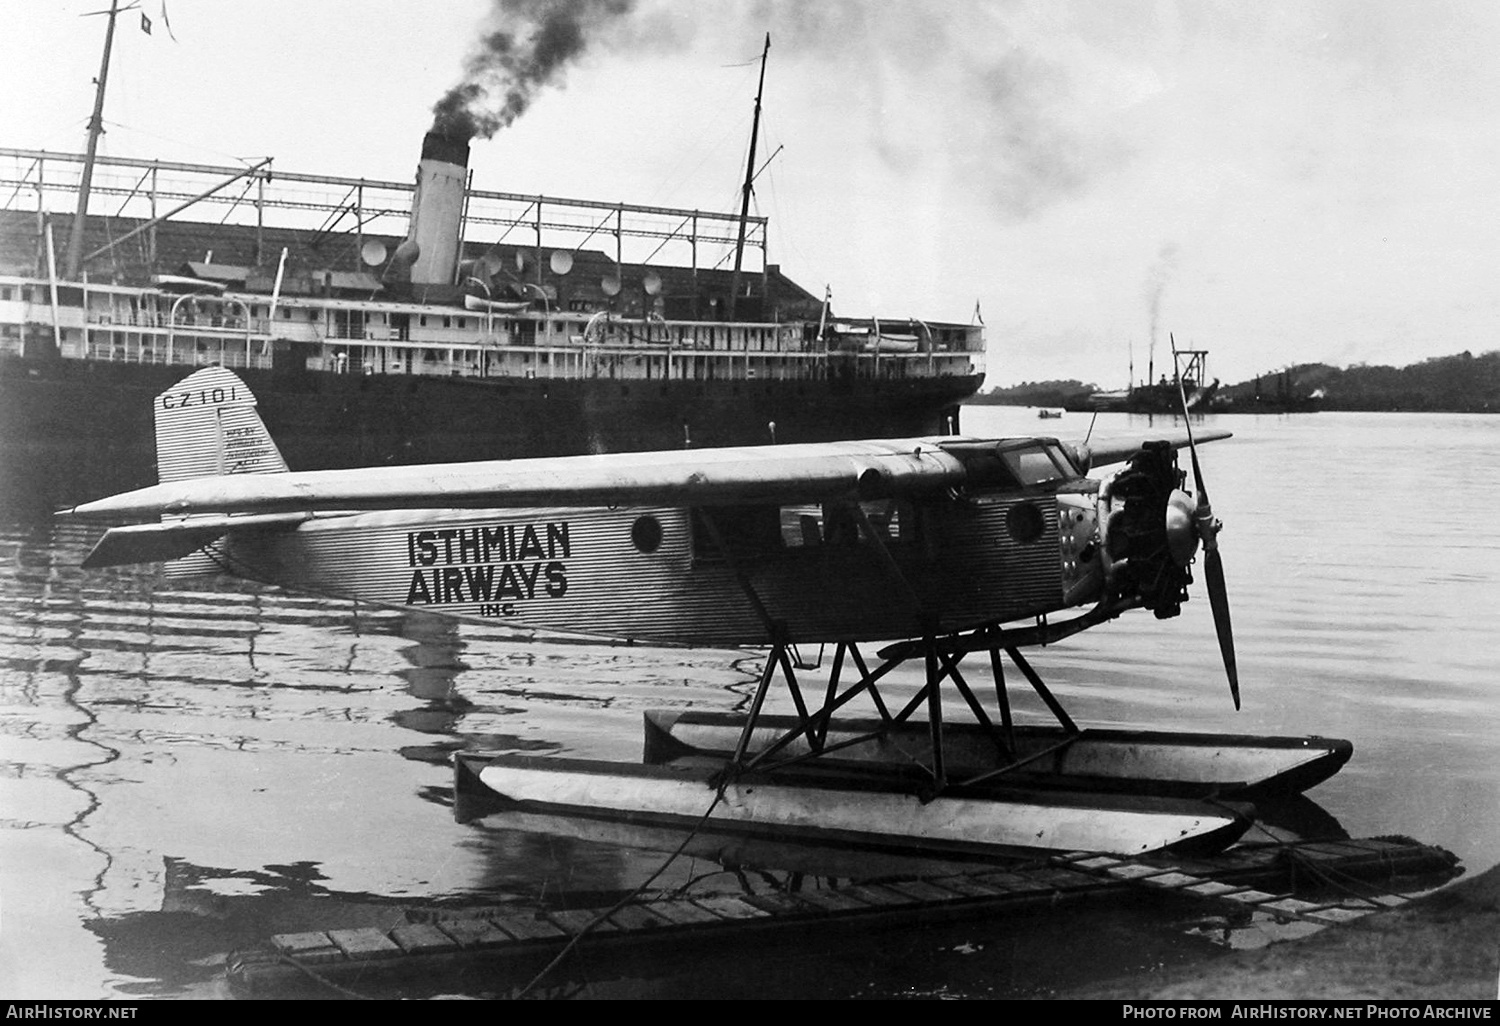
[185, 770]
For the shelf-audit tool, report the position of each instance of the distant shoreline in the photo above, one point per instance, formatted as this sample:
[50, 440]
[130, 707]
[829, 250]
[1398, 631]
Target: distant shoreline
[981, 400]
[1463, 383]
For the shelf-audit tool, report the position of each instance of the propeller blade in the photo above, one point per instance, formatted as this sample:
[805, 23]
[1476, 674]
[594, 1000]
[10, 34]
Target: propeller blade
[1213, 563]
[1203, 506]
[1218, 600]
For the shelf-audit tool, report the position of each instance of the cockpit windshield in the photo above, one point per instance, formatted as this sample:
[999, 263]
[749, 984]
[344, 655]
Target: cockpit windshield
[1039, 463]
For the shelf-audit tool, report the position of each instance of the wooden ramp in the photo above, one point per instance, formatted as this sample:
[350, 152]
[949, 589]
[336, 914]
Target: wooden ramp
[1286, 882]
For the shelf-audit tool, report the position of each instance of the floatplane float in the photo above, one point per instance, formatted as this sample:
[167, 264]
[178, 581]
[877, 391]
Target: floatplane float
[937, 549]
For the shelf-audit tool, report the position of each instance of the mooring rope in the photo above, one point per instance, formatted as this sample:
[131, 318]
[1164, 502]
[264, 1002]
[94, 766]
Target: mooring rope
[628, 899]
[321, 979]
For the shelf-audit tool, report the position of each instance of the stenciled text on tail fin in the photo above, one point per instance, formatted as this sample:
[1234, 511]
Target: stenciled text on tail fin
[206, 425]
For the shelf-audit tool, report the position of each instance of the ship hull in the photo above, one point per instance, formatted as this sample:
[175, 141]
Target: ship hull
[74, 430]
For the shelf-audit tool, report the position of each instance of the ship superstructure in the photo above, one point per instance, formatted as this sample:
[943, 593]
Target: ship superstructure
[387, 322]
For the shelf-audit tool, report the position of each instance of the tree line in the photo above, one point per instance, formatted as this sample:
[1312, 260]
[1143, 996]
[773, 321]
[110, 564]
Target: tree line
[1463, 383]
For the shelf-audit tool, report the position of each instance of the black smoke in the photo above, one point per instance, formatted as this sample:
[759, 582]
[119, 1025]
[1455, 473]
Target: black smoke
[533, 41]
[1157, 280]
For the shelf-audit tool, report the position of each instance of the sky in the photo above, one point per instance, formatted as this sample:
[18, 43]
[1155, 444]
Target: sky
[1276, 182]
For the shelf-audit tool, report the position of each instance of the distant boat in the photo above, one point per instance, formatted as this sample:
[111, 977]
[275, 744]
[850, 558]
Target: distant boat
[1046, 414]
[1285, 396]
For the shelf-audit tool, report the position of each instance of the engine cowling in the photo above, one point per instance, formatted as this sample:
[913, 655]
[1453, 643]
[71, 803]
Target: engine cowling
[1150, 539]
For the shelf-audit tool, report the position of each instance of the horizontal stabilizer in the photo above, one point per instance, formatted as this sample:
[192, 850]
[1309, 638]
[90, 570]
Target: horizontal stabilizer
[173, 539]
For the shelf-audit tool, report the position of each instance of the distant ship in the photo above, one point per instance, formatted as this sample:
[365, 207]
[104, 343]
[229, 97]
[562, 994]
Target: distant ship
[1283, 394]
[1165, 396]
[489, 325]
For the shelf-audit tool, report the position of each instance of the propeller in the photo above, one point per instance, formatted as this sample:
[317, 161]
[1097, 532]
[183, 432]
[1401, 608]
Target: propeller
[1208, 527]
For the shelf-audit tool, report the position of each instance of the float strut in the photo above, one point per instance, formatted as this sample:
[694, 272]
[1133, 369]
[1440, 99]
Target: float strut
[868, 681]
[832, 691]
[780, 654]
[1002, 698]
[761, 688]
[950, 667]
[1041, 690]
[935, 712]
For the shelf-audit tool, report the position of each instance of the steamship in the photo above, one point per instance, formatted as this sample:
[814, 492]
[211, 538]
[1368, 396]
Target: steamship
[1188, 387]
[487, 325]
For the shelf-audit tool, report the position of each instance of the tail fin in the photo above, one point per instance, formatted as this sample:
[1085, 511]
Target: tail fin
[206, 425]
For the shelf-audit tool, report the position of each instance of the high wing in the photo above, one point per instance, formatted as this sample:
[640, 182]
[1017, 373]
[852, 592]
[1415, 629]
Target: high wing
[786, 473]
[813, 472]
[1109, 451]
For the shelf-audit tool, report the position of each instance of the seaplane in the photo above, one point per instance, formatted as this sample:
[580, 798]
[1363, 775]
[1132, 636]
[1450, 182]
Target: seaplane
[928, 551]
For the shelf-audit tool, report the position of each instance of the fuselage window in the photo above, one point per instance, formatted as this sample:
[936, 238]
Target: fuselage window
[750, 532]
[646, 534]
[746, 531]
[837, 524]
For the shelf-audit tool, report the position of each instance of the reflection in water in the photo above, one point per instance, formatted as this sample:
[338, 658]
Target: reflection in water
[435, 665]
[152, 729]
[188, 769]
[48, 752]
[435, 662]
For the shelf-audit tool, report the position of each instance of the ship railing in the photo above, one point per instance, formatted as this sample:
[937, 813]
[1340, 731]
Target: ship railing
[153, 350]
[598, 332]
[625, 363]
[233, 327]
[239, 359]
[420, 367]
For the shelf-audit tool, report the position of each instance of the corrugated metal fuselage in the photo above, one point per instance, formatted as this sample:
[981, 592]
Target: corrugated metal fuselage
[716, 576]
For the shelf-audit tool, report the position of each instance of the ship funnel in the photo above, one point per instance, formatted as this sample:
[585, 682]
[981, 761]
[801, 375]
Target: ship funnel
[437, 209]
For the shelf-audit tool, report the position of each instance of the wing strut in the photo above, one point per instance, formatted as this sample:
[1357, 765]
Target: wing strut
[777, 629]
[929, 643]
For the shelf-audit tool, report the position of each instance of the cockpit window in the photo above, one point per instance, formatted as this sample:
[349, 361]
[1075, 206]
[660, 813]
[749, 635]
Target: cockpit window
[1062, 459]
[1038, 464]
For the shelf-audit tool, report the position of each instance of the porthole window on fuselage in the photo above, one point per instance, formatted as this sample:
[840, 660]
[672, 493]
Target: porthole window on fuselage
[645, 533]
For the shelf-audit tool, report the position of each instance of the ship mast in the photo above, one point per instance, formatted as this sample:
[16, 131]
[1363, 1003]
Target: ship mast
[96, 129]
[739, 249]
